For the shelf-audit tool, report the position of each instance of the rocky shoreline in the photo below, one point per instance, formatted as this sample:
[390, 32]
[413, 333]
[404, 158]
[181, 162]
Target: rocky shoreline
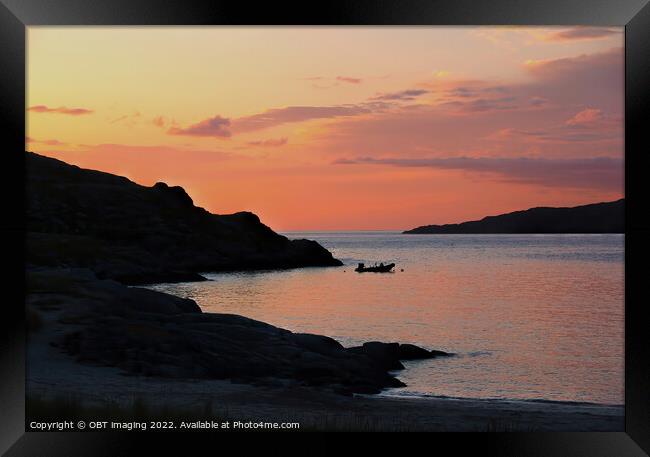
[90, 234]
[147, 333]
[94, 339]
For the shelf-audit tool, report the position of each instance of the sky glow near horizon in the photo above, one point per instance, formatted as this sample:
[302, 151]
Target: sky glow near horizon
[326, 128]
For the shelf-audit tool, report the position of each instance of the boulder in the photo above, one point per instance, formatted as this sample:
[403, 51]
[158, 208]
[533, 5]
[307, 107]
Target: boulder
[389, 355]
[385, 355]
[317, 343]
[413, 352]
[435, 353]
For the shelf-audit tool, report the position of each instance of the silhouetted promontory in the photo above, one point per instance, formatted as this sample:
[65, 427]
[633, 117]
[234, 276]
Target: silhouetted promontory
[137, 234]
[595, 218]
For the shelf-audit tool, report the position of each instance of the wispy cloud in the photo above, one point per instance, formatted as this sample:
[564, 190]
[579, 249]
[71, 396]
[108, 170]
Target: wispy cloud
[222, 127]
[473, 96]
[270, 143]
[349, 79]
[289, 114]
[324, 82]
[562, 134]
[580, 33]
[531, 117]
[216, 127]
[483, 104]
[59, 110]
[586, 117]
[584, 64]
[128, 120]
[52, 142]
[512, 37]
[537, 101]
[601, 173]
[404, 95]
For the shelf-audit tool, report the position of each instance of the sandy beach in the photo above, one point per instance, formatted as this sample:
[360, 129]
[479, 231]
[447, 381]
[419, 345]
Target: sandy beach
[52, 374]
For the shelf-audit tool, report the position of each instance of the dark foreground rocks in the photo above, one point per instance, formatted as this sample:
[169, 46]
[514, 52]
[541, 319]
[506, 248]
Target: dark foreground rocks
[390, 355]
[138, 235]
[150, 333]
[89, 232]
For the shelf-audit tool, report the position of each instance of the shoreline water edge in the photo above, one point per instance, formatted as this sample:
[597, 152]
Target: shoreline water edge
[94, 338]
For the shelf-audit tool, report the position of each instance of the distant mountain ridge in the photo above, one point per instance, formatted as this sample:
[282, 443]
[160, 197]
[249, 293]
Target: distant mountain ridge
[607, 217]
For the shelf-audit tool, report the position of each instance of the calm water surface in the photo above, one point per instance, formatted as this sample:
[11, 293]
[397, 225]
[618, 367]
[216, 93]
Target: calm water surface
[529, 316]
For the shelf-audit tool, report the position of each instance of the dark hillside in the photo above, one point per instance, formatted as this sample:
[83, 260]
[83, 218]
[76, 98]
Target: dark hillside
[595, 218]
[138, 234]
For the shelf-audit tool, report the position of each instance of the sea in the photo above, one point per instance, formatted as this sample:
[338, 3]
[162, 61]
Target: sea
[527, 317]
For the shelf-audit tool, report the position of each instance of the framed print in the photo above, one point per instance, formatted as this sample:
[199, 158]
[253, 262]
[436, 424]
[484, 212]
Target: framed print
[364, 216]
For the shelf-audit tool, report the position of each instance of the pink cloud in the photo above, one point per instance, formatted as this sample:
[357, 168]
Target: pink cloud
[499, 118]
[290, 114]
[571, 130]
[581, 33]
[59, 110]
[512, 37]
[480, 105]
[216, 127]
[348, 79]
[531, 117]
[537, 101]
[585, 79]
[601, 173]
[474, 96]
[587, 116]
[273, 142]
[604, 67]
[409, 94]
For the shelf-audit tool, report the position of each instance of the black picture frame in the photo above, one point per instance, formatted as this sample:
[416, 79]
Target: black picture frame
[16, 15]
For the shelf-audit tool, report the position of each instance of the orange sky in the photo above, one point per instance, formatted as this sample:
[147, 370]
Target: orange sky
[326, 128]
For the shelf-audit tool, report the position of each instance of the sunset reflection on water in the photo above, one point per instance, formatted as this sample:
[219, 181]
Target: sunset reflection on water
[529, 317]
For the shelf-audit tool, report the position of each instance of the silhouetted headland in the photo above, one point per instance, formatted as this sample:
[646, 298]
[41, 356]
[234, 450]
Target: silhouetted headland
[137, 234]
[594, 218]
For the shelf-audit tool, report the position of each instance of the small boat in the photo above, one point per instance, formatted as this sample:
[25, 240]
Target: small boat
[381, 268]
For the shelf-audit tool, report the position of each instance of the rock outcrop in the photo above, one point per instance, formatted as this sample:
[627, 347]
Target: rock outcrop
[137, 235]
[148, 333]
[390, 355]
